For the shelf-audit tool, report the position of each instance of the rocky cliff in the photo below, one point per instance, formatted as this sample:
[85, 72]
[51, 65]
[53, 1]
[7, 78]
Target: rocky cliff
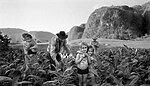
[76, 32]
[116, 22]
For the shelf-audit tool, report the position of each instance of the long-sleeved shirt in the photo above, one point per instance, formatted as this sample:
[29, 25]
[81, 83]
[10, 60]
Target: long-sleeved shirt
[57, 46]
[30, 44]
[95, 44]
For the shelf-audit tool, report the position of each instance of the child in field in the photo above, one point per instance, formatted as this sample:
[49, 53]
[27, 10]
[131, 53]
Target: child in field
[82, 60]
[92, 56]
[30, 48]
[95, 44]
[93, 63]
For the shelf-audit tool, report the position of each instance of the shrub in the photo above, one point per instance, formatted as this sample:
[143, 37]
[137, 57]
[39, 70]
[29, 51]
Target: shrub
[4, 42]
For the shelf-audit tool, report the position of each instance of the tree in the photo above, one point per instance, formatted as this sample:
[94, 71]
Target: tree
[4, 42]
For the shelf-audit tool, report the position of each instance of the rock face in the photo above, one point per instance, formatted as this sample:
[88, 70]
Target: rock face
[144, 10]
[76, 32]
[116, 22]
[146, 15]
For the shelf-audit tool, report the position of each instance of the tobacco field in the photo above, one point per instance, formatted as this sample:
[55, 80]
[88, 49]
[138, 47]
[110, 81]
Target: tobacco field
[116, 66]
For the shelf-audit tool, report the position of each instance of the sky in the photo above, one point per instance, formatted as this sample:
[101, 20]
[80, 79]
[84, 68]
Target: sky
[52, 15]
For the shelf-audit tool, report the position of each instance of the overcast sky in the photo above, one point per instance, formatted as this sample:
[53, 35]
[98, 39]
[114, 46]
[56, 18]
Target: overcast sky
[52, 15]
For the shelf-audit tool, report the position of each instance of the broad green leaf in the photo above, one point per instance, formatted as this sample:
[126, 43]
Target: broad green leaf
[134, 80]
[33, 76]
[43, 71]
[50, 83]
[117, 81]
[4, 78]
[68, 70]
[24, 82]
[94, 72]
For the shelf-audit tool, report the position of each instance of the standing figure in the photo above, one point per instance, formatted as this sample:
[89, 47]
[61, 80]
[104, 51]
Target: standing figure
[93, 63]
[30, 48]
[58, 46]
[95, 44]
[82, 60]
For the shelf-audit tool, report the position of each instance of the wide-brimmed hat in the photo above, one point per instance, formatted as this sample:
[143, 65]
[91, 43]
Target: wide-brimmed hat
[94, 38]
[24, 35]
[62, 35]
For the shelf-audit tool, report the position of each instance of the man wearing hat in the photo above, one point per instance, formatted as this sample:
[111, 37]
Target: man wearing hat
[95, 44]
[57, 46]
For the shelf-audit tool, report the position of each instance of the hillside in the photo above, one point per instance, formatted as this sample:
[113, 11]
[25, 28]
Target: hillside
[115, 22]
[42, 36]
[15, 34]
[76, 32]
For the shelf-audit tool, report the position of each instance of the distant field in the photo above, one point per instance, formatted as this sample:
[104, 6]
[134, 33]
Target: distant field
[104, 43]
[114, 43]
[42, 47]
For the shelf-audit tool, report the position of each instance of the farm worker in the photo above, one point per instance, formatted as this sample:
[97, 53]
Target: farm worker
[58, 46]
[30, 48]
[92, 64]
[82, 60]
[95, 44]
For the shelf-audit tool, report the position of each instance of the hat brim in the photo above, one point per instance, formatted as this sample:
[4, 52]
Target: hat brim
[94, 38]
[62, 37]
